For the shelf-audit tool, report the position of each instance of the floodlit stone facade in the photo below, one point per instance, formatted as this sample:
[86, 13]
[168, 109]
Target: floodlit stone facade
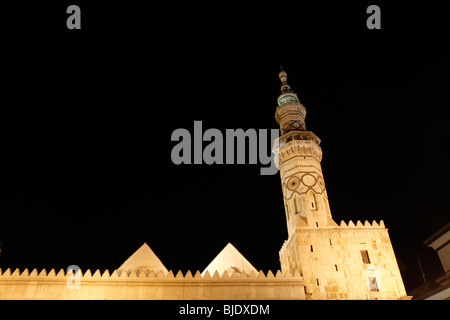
[336, 261]
[320, 259]
[344, 262]
[146, 285]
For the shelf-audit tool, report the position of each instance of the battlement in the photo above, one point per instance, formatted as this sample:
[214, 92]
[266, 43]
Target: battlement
[141, 275]
[359, 224]
[147, 285]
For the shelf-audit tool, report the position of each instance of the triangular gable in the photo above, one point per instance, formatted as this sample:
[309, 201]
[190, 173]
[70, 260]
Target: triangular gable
[230, 260]
[144, 258]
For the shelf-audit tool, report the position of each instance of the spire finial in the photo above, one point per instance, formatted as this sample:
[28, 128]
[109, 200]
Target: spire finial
[283, 77]
[287, 95]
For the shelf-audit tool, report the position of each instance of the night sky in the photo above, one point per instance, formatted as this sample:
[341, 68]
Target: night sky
[87, 116]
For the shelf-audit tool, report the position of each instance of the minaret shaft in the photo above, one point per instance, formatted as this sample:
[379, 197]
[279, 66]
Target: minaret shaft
[297, 156]
[354, 261]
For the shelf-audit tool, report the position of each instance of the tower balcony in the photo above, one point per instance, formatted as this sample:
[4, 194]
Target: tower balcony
[298, 142]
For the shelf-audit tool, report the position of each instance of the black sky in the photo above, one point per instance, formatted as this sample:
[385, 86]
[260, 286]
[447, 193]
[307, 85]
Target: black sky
[87, 117]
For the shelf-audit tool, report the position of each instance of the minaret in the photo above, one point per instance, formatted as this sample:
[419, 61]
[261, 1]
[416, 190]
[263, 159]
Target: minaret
[349, 261]
[297, 156]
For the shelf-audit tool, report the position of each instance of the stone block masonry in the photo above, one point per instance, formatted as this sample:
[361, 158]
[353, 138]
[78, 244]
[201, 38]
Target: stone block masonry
[147, 285]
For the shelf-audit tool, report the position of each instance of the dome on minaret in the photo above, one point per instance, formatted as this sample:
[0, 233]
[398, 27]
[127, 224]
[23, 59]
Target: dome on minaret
[287, 95]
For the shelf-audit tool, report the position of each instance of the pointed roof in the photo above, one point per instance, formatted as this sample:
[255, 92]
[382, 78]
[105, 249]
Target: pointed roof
[143, 258]
[230, 260]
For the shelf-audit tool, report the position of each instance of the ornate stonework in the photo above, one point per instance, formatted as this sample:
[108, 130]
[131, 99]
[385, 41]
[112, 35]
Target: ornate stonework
[303, 182]
[291, 116]
[319, 260]
[332, 259]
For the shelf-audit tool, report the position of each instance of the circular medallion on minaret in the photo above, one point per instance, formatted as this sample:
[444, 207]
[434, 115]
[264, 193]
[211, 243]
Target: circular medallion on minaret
[308, 180]
[321, 183]
[293, 183]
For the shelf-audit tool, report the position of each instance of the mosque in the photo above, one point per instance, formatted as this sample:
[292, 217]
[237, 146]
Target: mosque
[320, 260]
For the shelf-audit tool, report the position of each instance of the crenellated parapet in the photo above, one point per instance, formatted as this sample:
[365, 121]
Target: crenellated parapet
[366, 224]
[148, 285]
[146, 275]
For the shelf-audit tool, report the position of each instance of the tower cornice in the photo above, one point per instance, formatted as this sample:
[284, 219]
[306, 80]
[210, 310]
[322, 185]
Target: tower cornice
[288, 108]
[285, 151]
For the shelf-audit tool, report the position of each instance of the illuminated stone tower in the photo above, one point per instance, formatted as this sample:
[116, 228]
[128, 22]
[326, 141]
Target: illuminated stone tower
[298, 159]
[336, 261]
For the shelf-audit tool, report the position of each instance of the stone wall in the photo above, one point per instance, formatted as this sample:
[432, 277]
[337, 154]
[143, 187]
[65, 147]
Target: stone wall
[146, 285]
[332, 264]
